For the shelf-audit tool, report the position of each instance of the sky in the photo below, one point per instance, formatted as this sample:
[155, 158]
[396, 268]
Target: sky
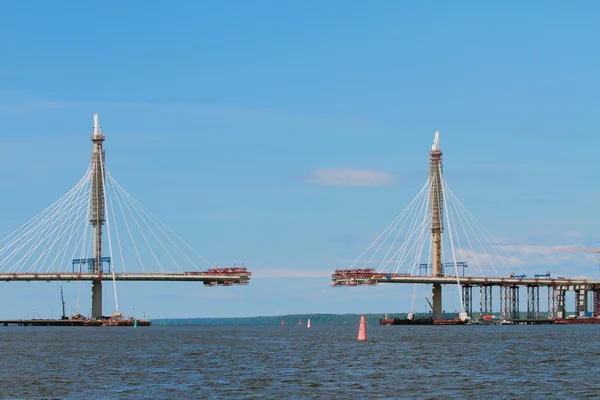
[287, 136]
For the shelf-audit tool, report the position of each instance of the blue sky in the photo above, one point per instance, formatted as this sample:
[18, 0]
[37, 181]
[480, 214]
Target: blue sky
[247, 128]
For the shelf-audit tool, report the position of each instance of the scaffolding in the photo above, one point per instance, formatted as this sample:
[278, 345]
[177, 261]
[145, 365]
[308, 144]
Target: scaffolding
[560, 301]
[467, 293]
[533, 302]
[581, 301]
[485, 300]
[551, 302]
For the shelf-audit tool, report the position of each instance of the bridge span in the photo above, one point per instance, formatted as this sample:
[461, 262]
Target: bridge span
[464, 280]
[208, 279]
[509, 288]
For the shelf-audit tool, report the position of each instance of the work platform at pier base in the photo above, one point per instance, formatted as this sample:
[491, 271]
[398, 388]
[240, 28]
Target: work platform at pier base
[42, 322]
[532, 321]
[456, 321]
[76, 322]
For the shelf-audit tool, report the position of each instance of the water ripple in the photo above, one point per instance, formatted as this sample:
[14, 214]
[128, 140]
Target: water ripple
[251, 362]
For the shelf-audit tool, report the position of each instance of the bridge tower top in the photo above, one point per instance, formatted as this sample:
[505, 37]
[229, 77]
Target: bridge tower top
[436, 142]
[97, 136]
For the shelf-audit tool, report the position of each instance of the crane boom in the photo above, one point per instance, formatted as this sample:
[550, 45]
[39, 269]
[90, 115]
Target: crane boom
[429, 302]
[62, 299]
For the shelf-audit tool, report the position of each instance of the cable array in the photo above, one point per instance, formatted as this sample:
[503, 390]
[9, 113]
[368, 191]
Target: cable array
[482, 250]
[468, 249]
[143, 240]
[44, 243]
[135, 239]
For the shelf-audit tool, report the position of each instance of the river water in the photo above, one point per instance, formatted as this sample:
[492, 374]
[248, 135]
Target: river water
[291, 362]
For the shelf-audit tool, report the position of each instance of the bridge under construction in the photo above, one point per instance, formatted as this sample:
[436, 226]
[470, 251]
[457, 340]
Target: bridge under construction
[80, 238]
[442, 267]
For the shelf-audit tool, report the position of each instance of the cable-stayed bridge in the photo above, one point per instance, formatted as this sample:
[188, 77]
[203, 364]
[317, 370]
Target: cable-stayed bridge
[411, 250]
[99, 232]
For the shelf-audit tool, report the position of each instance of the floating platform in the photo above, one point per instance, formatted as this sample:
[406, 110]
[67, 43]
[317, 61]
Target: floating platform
[552, 321]
[449, 322]
[590, 320]
[127, 322]
[530, 322]
[427, 321]
[75, 322]
[405, 321]
[42, 322]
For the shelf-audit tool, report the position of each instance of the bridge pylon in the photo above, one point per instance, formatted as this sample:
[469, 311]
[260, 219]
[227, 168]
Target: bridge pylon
[436, 195]
[97, 213]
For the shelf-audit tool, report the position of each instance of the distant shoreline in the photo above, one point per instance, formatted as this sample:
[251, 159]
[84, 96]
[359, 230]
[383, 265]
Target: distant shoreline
[293, 319]
[288, 319]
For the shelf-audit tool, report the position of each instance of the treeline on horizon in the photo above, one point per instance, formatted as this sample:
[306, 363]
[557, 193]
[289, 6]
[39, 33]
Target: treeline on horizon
[315, 319]
[292, 319]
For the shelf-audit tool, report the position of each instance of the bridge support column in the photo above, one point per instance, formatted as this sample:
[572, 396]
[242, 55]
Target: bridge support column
[485, 300]
[596, 302]
[436, 301]
[505, 301]
[581, 301]
[551, 302]
[514, 302]
[560, 301]
[97, 299]
[533, 302]
[467, 292]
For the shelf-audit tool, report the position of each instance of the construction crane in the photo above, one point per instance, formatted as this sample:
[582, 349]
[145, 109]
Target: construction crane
[429, 302]
[62, 300]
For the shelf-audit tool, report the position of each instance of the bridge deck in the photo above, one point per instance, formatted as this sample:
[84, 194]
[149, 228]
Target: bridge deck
[177, 277]
[465, 280]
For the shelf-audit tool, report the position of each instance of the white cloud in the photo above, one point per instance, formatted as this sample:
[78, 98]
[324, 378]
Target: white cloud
[583, 277]
[542, 254]
[552, 255]
[573, 234]
[351, 177]
[477, 259]
[522, 258]
[529, 250]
